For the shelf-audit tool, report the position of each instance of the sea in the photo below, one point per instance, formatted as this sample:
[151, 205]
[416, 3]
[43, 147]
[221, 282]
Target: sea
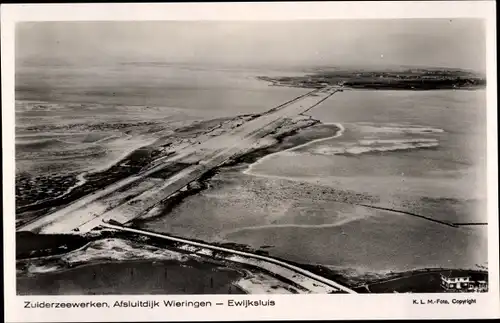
[416, 154]
[84, 117]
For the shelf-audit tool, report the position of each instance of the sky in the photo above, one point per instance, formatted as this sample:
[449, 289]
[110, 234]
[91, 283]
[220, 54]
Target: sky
[369, 43]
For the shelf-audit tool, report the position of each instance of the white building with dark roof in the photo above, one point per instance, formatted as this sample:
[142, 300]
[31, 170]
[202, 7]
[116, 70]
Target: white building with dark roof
[456, 281]
[461, 282]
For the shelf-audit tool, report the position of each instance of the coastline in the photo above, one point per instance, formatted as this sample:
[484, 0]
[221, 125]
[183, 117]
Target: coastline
[388, 282]
[54, 251]
[280, 142]
[410, 79]
[258, 155]
[248, 170]
[129, 162]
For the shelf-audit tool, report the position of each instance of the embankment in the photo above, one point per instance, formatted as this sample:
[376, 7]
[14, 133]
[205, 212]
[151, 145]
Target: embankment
[290, 134]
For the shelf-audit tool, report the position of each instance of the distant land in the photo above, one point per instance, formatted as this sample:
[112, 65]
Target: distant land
[385, 79]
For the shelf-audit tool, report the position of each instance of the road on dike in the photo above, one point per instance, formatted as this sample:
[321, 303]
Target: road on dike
[306, 280]
[88, 212]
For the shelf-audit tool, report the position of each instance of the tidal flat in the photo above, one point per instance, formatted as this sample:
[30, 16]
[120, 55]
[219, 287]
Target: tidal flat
[331, 194]
[422, 154]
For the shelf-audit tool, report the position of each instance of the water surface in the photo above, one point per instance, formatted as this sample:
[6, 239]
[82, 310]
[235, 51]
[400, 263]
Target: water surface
[419, 152]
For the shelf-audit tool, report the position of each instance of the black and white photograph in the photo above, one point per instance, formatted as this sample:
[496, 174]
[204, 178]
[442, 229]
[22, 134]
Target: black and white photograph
[191, 157]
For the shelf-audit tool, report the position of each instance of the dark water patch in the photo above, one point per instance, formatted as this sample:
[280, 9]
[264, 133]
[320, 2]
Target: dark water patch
[143, 277]
[30, 245]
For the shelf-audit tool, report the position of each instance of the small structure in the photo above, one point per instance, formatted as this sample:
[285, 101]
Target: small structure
[481, 286]
[456, 281]
[461, 282]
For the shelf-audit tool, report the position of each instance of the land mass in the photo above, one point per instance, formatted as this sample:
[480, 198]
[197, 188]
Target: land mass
[394, 79]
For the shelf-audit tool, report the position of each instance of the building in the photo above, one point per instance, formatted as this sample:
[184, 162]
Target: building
[455, 281]
[460, 282]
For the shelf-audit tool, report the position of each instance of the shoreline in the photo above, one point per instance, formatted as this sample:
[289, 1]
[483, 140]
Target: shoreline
[247, 159]
[410, 79]
[341, 129]
[255, 154]
[359, 284]
[169, 276]
[157, 250]
[129, 163]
